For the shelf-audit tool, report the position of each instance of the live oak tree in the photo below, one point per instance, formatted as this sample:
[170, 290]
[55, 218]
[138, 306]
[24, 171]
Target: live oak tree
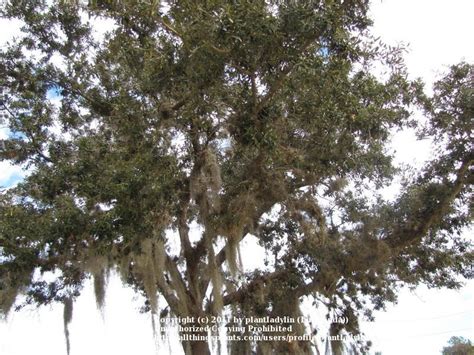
[155, 149]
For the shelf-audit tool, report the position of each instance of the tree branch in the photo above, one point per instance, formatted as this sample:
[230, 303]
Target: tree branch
[405, 236]
[171, 29]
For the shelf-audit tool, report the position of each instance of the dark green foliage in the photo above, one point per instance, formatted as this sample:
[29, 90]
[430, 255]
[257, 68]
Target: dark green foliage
[245, 117]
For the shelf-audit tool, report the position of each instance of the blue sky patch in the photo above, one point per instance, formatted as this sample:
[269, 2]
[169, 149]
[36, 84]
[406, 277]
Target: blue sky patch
[11, 180]
[53, 93]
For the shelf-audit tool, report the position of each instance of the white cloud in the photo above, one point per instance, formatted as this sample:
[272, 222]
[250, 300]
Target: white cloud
[10, 174]
[423, 321]
[438, 32]
[10, 29]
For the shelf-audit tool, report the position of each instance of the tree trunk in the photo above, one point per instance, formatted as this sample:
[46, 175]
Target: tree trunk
[195, 343]
[200, 348]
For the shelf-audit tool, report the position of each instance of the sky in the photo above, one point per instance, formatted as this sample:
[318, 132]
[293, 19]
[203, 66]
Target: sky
[438, 33]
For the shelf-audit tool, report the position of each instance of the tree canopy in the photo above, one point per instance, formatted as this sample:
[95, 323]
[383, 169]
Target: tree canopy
[458, 346]
[155, 149]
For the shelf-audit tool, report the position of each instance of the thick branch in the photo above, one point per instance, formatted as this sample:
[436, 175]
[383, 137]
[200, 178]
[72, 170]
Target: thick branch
[261, 281]
[169, 296]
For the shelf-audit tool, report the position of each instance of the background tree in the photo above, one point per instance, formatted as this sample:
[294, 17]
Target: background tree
[458, 346]
[156, 149]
